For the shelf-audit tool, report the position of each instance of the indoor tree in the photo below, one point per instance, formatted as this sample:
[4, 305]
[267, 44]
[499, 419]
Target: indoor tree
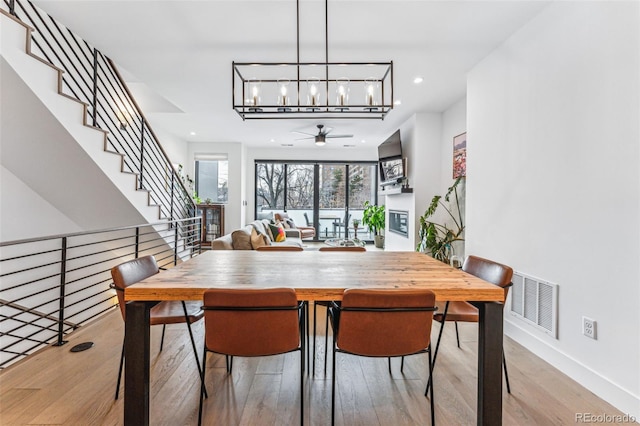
[435, 238]
[374, 217]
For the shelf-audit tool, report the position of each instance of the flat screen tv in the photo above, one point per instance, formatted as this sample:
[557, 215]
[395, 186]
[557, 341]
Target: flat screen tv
[391, 148]
[390, 159]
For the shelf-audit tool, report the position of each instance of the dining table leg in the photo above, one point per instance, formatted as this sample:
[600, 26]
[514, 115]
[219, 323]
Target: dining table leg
[490, 335]
[136, 370]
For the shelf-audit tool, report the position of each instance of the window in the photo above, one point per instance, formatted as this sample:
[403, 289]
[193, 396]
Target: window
[269, 186]
[212, 178]
[327, 195]
[300, 186]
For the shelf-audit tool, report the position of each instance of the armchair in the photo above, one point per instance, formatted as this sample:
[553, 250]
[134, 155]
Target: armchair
[305, 231]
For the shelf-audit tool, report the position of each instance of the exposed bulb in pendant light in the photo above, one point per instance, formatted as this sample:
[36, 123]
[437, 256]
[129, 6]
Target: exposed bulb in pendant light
[254, 94]
[283, 97]
[313, 93]
[342, 94]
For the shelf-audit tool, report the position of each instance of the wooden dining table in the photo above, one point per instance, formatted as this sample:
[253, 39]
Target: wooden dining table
[315, 277]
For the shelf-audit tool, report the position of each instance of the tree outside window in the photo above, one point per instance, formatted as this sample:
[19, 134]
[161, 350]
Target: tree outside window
[270, 186]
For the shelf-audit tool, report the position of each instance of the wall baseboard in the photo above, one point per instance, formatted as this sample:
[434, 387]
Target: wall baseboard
[601, 386]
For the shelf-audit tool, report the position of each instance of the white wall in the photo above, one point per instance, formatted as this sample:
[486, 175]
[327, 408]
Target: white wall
[25, 214]
[553, 186]
[176, 149]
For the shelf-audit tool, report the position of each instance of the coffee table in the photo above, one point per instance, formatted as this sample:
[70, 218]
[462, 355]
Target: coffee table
[345, 242]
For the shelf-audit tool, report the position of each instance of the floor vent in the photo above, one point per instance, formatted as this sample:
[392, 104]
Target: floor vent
[535, 302]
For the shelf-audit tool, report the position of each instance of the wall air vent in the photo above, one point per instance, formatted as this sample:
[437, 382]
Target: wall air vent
[535, 302]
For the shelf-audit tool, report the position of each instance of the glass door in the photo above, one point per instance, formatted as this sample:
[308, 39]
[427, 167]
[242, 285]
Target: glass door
[332, 201]
[327, 196]
[300, 193]
[362, 187]
[270, 184]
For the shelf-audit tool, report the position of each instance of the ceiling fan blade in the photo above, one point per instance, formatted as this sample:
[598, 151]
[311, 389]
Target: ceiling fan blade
[299, 139]
[304, 133]
[339, 136]
[327, 130]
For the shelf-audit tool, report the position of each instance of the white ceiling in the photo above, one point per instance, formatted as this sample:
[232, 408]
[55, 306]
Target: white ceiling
[177, 55]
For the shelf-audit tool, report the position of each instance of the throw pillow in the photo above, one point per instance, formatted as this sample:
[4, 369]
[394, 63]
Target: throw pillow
[277, 231]
[289, 222]
[258, 240]
[267, 229]
[241, 239]
[260, 226]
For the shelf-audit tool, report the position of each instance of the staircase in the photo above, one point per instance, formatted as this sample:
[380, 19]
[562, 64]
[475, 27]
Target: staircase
[108, 165]
[72, 135]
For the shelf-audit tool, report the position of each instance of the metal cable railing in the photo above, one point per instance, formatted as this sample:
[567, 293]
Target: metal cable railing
[52, 285]
[92, 78]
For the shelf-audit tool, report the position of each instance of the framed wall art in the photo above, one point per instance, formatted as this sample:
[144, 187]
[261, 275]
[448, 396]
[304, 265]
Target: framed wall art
[460, 155]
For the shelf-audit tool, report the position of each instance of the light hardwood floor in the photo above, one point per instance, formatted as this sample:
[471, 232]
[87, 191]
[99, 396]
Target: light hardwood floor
[57, 387]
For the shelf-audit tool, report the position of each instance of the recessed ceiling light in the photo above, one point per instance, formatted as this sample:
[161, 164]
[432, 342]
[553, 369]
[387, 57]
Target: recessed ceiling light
[192, 133]
[398, 102]
[272, 140]
[363, 141]
[418, 80]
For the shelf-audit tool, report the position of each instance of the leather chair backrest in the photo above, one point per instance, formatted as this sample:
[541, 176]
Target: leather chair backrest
[131, 272]
[490, 271]
[251, 332]
[380, 333]
[280, 217]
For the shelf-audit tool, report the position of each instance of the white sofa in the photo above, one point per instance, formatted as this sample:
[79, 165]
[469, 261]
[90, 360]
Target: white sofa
[255, 234]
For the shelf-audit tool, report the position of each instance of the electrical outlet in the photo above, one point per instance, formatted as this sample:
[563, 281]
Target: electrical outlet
[589, 328]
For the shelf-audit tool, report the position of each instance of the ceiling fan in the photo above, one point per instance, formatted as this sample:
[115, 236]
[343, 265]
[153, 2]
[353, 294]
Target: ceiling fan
[322, 135]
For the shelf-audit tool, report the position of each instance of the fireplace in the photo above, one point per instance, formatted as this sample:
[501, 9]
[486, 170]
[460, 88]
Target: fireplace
[399, 222]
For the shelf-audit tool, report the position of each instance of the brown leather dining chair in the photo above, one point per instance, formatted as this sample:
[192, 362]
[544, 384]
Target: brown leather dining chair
[382, 323]
[456, 311]
[168, 312]
[251, 323]
[326, 304]
[278, 248]
[306, 303]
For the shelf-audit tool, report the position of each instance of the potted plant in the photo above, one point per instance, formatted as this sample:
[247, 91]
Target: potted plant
[374, 217]
[437, 239]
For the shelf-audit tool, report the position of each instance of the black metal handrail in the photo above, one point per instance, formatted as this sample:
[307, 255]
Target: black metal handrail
[52, 285]
[93, 78]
